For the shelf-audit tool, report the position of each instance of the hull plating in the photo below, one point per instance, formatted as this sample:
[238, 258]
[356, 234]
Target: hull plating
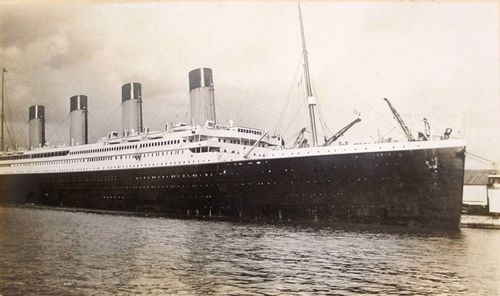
[415, 187]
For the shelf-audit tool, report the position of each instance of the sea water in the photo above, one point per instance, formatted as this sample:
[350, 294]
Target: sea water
[47, 252]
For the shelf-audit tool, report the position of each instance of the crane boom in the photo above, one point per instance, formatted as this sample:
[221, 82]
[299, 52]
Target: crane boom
[427, 129]
[338, 134]
[405, 129]
[255, 145]
[300, 138]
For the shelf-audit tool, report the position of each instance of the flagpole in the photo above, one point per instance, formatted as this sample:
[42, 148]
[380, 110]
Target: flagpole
[3, 99]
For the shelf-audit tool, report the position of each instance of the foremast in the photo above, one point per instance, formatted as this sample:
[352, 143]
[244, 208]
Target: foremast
[311, 100]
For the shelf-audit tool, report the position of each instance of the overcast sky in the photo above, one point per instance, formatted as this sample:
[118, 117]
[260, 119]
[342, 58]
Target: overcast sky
[434, 60]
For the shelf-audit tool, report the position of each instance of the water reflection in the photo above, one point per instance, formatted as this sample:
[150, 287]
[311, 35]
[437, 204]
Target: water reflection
[50, 252]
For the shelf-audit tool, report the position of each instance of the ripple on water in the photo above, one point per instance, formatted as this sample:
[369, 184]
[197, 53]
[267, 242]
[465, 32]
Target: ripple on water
[60, 253]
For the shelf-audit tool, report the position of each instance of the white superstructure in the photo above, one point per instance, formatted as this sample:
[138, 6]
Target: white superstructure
[182, 145]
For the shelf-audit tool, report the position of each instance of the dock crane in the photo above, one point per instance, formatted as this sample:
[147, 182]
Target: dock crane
[300, 138]
[338, 134]
[426, 134]
[405, 129]
[427, 129]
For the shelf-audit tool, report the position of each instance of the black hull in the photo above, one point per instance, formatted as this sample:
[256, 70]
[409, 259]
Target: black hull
[397, 187]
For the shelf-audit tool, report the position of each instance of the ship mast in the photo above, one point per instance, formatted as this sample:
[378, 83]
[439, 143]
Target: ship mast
[3, 99]
[311, 101]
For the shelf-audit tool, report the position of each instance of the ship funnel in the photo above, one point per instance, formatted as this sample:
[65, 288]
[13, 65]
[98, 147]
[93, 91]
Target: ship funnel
[36, 126]
[132, 108]
[201, 91]
[78, 130]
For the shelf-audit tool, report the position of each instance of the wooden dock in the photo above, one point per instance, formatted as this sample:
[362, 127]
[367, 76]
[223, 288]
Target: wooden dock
[480, 221]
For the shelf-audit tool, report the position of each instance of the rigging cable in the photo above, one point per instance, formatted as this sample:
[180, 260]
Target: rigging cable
[257, 88]
[300, 107]
[287, 100]
[5, 121]
[380, 138]
[268, 49]
[298, 104]
[56, 130]
[101, 125]
[324, 127]
[10, 136]
[146, 118]
[37, 84]
[480, 158]
[356, 95]
[245, 109]
[293, 136]
[178, 112]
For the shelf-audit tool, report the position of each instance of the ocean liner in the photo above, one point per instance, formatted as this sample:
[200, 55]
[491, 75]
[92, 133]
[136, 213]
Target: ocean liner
[208, 169]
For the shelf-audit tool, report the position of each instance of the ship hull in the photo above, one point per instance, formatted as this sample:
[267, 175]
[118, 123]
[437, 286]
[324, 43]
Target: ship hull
[413, 187]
